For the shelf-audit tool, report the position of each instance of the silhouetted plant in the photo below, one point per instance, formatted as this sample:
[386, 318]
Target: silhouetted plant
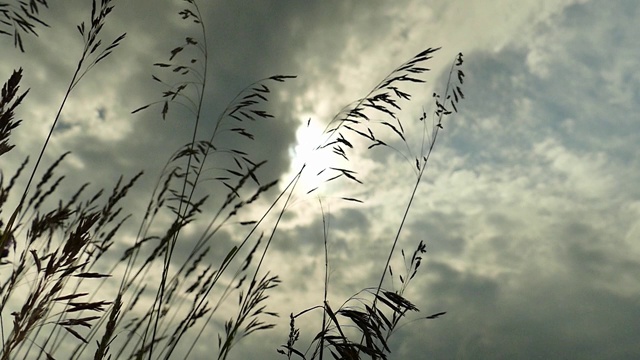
[19, 17]
[384, 100]
[56, 250]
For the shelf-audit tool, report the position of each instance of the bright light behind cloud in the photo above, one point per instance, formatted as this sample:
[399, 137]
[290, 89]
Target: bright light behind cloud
[306, 153]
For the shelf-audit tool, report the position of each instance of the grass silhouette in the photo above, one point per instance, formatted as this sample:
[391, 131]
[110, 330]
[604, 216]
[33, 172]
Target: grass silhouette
[60, 252]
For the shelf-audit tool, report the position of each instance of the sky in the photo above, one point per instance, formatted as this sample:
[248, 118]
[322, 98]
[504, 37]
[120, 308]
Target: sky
[529, 206]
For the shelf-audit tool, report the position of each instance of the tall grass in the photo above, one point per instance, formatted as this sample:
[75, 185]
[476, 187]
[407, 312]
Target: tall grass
[53, 291]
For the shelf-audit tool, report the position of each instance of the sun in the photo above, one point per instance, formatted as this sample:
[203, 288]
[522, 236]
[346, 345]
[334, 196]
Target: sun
[305, 152]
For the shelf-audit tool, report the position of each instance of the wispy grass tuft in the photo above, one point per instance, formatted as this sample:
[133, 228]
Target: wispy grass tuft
[19, 18]
[69, 281]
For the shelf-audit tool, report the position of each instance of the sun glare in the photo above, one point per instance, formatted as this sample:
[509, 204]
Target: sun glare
[306, 153]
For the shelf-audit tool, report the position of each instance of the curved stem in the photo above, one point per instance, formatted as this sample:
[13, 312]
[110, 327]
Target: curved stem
[169, 253]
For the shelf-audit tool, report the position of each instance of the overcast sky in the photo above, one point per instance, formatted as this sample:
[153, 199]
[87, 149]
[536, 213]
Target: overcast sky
[530, 206]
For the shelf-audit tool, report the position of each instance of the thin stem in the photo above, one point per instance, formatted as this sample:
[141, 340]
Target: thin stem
[169, 253]
[224, 267]
[325, 233]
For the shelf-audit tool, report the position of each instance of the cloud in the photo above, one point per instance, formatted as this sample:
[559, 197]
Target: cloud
[528, 206]
[547, 165]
